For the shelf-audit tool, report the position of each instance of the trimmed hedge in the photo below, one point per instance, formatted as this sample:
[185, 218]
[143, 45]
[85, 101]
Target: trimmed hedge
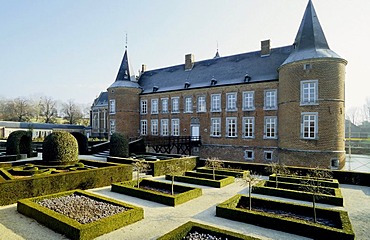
[119, 146]
[8, 158]
[268, 188]
[230, 210]
[332, 183]
[82, 141]
[225, 171]
[185, 193]
[19, 142]
[60, 148]
[104, 175]
[182, 231]
[73, 229]
[203, 179]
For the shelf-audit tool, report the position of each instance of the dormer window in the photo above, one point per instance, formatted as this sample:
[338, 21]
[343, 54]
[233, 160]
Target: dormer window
[213, 81]
[155, 88]
[247, 78]
[186, 85]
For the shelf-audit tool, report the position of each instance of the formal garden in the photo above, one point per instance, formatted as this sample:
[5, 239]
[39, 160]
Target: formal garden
[54, 191]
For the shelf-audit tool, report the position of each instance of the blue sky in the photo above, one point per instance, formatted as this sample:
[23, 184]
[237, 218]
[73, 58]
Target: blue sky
[71, 49]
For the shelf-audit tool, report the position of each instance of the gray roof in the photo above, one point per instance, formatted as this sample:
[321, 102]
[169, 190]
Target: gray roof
[29, 125]
[102, 100]
[310, 41]
[225, 70]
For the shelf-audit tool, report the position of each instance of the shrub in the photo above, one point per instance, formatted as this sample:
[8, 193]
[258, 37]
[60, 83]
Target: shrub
[19, 142]
[82, 141]
[119, 146]
[60, 147]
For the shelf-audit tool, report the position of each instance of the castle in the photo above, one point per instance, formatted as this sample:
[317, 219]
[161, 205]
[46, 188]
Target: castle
[281, 104]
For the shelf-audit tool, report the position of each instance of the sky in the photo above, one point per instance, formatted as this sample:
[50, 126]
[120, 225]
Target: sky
[72, 49]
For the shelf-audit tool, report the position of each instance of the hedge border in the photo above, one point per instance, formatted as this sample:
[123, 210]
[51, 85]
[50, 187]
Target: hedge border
[332, 183]
[229, 210]
[228, 172]
[226, 180]
[73, 229]
[180, 232]
[128, 188]
[261, 188]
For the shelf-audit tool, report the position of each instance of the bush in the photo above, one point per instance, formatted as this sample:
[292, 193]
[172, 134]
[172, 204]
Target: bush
[60, 147]
[119, 146]
[82, 141]
[19, 142]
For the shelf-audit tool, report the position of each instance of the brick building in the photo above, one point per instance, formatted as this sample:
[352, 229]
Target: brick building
[281, 104]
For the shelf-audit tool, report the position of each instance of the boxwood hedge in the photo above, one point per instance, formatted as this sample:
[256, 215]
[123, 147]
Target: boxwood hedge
[203, 179]
[332, 183]
[60, 148]
[82, 142]
[225, 171]
[19, 142]
[119, 145]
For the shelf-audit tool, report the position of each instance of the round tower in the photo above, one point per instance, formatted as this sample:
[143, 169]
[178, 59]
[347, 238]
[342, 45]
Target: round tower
[311, 100]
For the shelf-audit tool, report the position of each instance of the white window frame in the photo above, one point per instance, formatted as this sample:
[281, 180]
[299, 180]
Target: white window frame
[306, 119]
[164, 127]
[154, 106]
[270, 99]
[112, 106]
[270, 120]
[250, 132]
[175, 105]
[216, 102]
[215, 127]
[309, 92]
[144, 106]
[154, 126]
[246, 154]
[268, 152]
[112, 126]
[188, 102]
[231, 102]
[231, 123]
[201, 104]
[143, 127]
[164, 103]
[175, 127]
[248, 101]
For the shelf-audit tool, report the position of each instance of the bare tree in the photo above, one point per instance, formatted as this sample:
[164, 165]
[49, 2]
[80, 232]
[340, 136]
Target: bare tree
[250, 180]
[72, 112]
[17, 109]
[174, 169]
[277, 169]
[48, 109]
[214, 164]
[140, 166]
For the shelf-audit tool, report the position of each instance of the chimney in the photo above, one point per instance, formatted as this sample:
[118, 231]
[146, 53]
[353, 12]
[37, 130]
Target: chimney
[143, 68]
[265, 48]
[189, 61]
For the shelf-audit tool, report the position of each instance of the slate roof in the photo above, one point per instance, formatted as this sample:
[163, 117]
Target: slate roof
[28, 125]
[225, 70]
[102, 100]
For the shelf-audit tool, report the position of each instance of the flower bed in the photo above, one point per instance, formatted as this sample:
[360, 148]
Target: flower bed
[233, 209]
[225, 171]
[204, 179]
[116, 214]
[332, 183]
[153, 191]
[193, 230]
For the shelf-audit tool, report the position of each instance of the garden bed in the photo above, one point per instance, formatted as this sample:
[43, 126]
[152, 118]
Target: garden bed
[326, 182]
[87, 225]
[157, 191]
[225, 171]
[331, 196]
[282, 217]
[204, 179]
[193, 230]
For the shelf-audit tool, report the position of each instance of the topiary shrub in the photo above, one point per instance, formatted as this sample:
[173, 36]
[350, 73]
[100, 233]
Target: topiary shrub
[82, 142]
[60, 148]
[19, 142]
[119, 146]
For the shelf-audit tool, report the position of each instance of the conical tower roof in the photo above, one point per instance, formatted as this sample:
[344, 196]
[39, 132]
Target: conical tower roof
[310, 41]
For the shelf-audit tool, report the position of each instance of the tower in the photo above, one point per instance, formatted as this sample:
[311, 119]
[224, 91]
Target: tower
[311, 100]
[123, 100]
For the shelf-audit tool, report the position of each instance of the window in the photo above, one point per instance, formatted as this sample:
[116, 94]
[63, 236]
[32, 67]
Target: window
[248, 101]
[154, 126]
[230, 101]
[175, 127]
[164, 127]
[248, 154]
[112, 126]
[268, 155]
[112, 106]
[270, 127]
[144, 127]
[154, 106]
[216, 127]
[270, 99]
[309, 92]
[309, 126]
[248, 127]
[143, 106]
[164, 105]
[175, 105]
[216, 103]
[201, 104]
[188, 105]
[231, 127]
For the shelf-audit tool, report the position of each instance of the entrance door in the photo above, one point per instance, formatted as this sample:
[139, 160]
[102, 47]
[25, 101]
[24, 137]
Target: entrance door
[195, 133]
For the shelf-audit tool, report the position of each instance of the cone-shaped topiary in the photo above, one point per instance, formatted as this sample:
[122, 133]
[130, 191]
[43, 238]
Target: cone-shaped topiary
[60, 148]
[119, 146]
[19, 142]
